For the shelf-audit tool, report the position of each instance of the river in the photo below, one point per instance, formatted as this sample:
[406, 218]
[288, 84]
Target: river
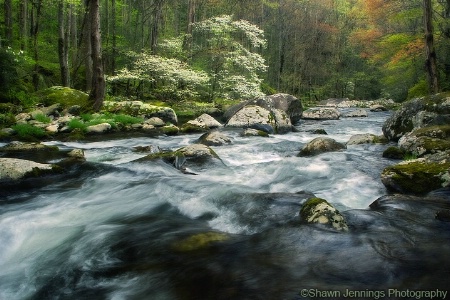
[114, 230]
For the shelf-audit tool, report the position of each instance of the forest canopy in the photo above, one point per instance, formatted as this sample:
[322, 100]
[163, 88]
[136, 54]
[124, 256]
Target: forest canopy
[206, 50]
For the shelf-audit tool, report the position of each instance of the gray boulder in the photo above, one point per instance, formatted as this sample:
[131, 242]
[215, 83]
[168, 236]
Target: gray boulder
[254, 132]
[359, 113]
[366, 138]
[419, 176]
[419, 112]
[321, 113]
[288, 104]
[214, 138]
[99, 128]
[257, 117]
[321, 145]
[17, 169]
[426, 140]
[319, 211]
[155, 121]
[206, 121]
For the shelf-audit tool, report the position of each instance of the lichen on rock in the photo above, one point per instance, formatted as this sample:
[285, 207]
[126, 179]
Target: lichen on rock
[319, 211]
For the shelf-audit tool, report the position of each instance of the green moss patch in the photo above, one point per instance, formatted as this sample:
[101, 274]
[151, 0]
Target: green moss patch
[200, 241]
[309, 205]
[64, 95]
[417, 177]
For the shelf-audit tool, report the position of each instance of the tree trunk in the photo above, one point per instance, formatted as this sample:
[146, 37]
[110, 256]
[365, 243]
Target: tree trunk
[157, 17]
[192, 7]
[23, 12]
[114, 38]
[62, 45]
[97, 93]
[7, 6]
[430, 62]
[35, 15]
[87, 49]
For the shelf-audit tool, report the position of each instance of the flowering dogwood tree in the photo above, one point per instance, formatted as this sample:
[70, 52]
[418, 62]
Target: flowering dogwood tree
[169, 77]
[227, 48]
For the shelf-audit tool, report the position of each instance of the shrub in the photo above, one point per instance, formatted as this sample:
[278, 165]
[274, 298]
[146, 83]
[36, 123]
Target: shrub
[127, 120]
[27, 131]
[77, 124]
[42, 118]
[7, 120]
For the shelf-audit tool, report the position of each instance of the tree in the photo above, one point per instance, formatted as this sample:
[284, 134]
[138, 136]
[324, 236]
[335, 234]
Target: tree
[63, 52]
[233, 68]
[97, 93]
[430, 62]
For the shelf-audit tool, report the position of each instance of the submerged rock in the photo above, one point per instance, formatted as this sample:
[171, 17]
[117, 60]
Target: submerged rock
[321, 145]
[200, 241]
[27, 147]
[319, 211]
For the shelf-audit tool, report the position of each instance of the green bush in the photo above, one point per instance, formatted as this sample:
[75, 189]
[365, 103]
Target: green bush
[126, 119]
[77, 124]
[7, 119]
[42, 118]
[27, 131]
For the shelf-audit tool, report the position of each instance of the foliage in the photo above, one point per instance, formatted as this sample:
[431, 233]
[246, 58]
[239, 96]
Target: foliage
[42, 118]
[232, 66]
[170, 77]
[27, 131]
[14, 68]
[7, 119]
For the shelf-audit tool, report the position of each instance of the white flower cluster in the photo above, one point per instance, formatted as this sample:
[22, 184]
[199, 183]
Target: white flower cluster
[172, 75]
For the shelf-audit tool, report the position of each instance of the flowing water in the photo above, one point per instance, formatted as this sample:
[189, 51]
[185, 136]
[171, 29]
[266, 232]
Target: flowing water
[118, 229]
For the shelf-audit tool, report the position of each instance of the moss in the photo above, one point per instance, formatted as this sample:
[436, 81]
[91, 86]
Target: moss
[438, 131]
[309, 205]
[394, 153]
[64, 95]
[380, 139]
[189, 128]
[36, 172]
[416, 176]
[200, 241]
[170, 130]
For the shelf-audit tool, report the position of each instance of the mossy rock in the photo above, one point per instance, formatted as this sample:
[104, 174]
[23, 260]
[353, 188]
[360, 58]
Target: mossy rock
[200, 241]
[64, 95]
[319, 211]
[394, 153]
[170, 130]
[191, 128]
[416, 176]
[321, 145]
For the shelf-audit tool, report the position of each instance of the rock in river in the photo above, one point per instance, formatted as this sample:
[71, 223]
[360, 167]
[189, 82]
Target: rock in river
[321, 145]
[317, 210]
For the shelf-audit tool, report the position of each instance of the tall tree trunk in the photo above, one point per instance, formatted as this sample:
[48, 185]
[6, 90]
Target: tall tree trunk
[192, 7]
[430, 62]
[62, 45]
[114, 38]
[7, 6]
[23, 12]
[157, 18]
[97, 93]
[87, 48]
[35, 15]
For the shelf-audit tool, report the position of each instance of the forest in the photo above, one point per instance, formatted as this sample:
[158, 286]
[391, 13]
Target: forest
[210, 50]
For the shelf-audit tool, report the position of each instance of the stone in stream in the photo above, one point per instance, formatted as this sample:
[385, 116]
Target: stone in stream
[317, 210]
[13, 169]
[321, 145]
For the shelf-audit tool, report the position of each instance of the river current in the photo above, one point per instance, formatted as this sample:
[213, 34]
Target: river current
[113, 229]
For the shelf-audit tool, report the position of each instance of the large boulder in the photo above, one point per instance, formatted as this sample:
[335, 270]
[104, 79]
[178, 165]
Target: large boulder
[419, 112]
[257, 117]
[214, 138]
[426, 140]
[139, 108]
[321, 145]
[13, 169]
[288, 104]
[321, 113]
[202, 123]
[319, 211]
[99, 128]
[366, 138]
[358, 113]
[419, 176]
